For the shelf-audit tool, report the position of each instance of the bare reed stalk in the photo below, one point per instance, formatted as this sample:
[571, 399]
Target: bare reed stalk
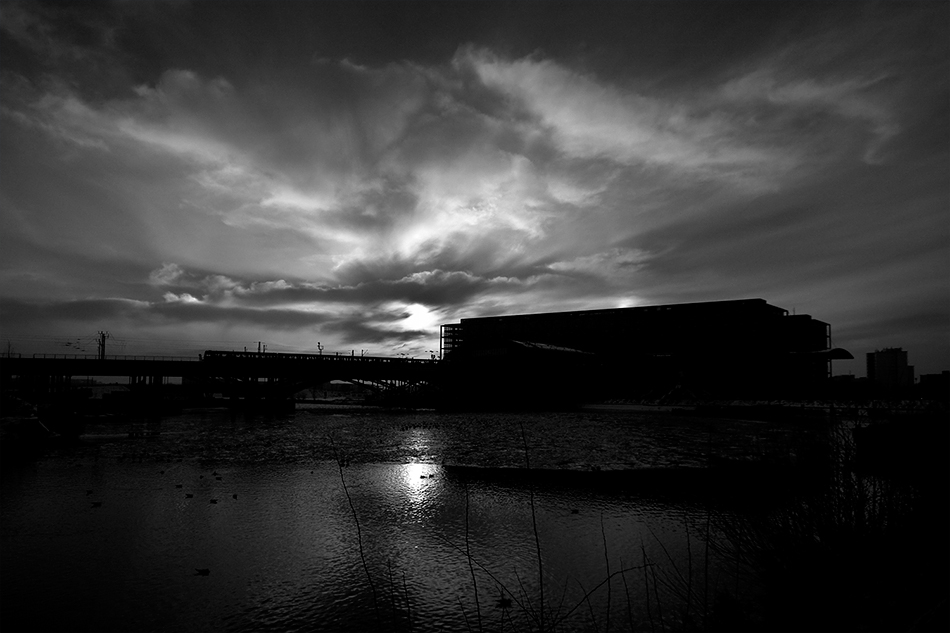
[524, 606]
[603, 534]
[689, 573]
[626, 590]
[738, 558]
[537, 538]
[560, 605]
[590, 607]
[471, 565]
[646, 581]
[656, 594]
[504, 609]
[468, 626]
[529, 608]
[359, 537]
[405, 587]
[598, 586]
[706, 577]
[679, 575]
[392, 589]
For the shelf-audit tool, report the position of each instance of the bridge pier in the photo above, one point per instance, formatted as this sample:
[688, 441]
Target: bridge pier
[44, 388]
[265, 393]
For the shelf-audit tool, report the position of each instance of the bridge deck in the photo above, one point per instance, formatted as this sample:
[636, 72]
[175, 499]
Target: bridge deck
[215, 364]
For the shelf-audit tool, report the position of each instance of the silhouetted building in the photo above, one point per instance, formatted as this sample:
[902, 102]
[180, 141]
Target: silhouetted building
[935, 386]
[742, 348]
[888, 371]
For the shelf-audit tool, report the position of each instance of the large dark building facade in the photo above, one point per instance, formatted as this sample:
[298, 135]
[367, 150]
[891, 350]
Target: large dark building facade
[743, 348]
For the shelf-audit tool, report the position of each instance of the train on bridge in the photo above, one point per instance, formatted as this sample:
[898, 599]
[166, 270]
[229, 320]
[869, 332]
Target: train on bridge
[230, 355]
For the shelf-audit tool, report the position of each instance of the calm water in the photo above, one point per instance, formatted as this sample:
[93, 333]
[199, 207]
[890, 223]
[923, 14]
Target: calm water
[282, 545]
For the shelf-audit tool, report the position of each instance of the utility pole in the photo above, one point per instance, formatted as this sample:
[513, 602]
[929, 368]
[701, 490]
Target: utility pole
[102, 344]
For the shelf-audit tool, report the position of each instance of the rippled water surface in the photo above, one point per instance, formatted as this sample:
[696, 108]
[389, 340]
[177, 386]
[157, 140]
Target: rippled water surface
[109, 534]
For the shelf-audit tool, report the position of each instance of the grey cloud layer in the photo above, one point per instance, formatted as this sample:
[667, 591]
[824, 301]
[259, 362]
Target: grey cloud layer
[431, 288]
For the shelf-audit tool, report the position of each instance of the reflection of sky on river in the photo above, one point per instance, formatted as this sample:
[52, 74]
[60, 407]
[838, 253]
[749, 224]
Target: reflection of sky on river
[285, 554]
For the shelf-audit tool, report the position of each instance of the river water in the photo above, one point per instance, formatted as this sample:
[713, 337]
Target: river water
[355, 521]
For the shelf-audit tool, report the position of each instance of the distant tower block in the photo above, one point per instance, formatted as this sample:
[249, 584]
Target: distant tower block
[888, 370]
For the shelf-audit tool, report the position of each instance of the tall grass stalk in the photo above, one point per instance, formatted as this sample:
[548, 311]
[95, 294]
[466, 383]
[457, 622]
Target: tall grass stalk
[471, 567]
[537, 538]
[626, 591]
[597, 587]
[689, 572]
[392, 588]
[656, 594]
[706, 575]
[646, 583]
[524, 602]
[468, 627]
[590, 607]
[603, 533]
[560, 605]
[405, 587]
[359, 535]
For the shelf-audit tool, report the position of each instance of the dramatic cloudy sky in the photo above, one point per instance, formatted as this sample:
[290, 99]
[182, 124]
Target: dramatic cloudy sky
[188, 175]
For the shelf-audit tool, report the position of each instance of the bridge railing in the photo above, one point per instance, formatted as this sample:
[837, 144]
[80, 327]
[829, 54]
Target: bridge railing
[280, 356]
[227, 355]
[113, 357]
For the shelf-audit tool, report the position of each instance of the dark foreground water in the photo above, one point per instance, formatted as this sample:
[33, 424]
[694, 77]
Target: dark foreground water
[351, 522]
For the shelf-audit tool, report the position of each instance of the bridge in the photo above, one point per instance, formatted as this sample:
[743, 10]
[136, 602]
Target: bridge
[248, 376]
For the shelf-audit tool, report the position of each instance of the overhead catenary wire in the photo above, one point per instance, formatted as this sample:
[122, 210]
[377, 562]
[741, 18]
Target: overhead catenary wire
[120, 345]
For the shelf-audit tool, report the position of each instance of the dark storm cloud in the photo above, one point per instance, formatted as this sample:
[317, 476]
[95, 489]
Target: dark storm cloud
[356, 331]
[16, 313]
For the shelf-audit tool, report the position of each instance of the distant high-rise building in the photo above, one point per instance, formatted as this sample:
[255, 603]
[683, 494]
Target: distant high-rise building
[888, 370]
